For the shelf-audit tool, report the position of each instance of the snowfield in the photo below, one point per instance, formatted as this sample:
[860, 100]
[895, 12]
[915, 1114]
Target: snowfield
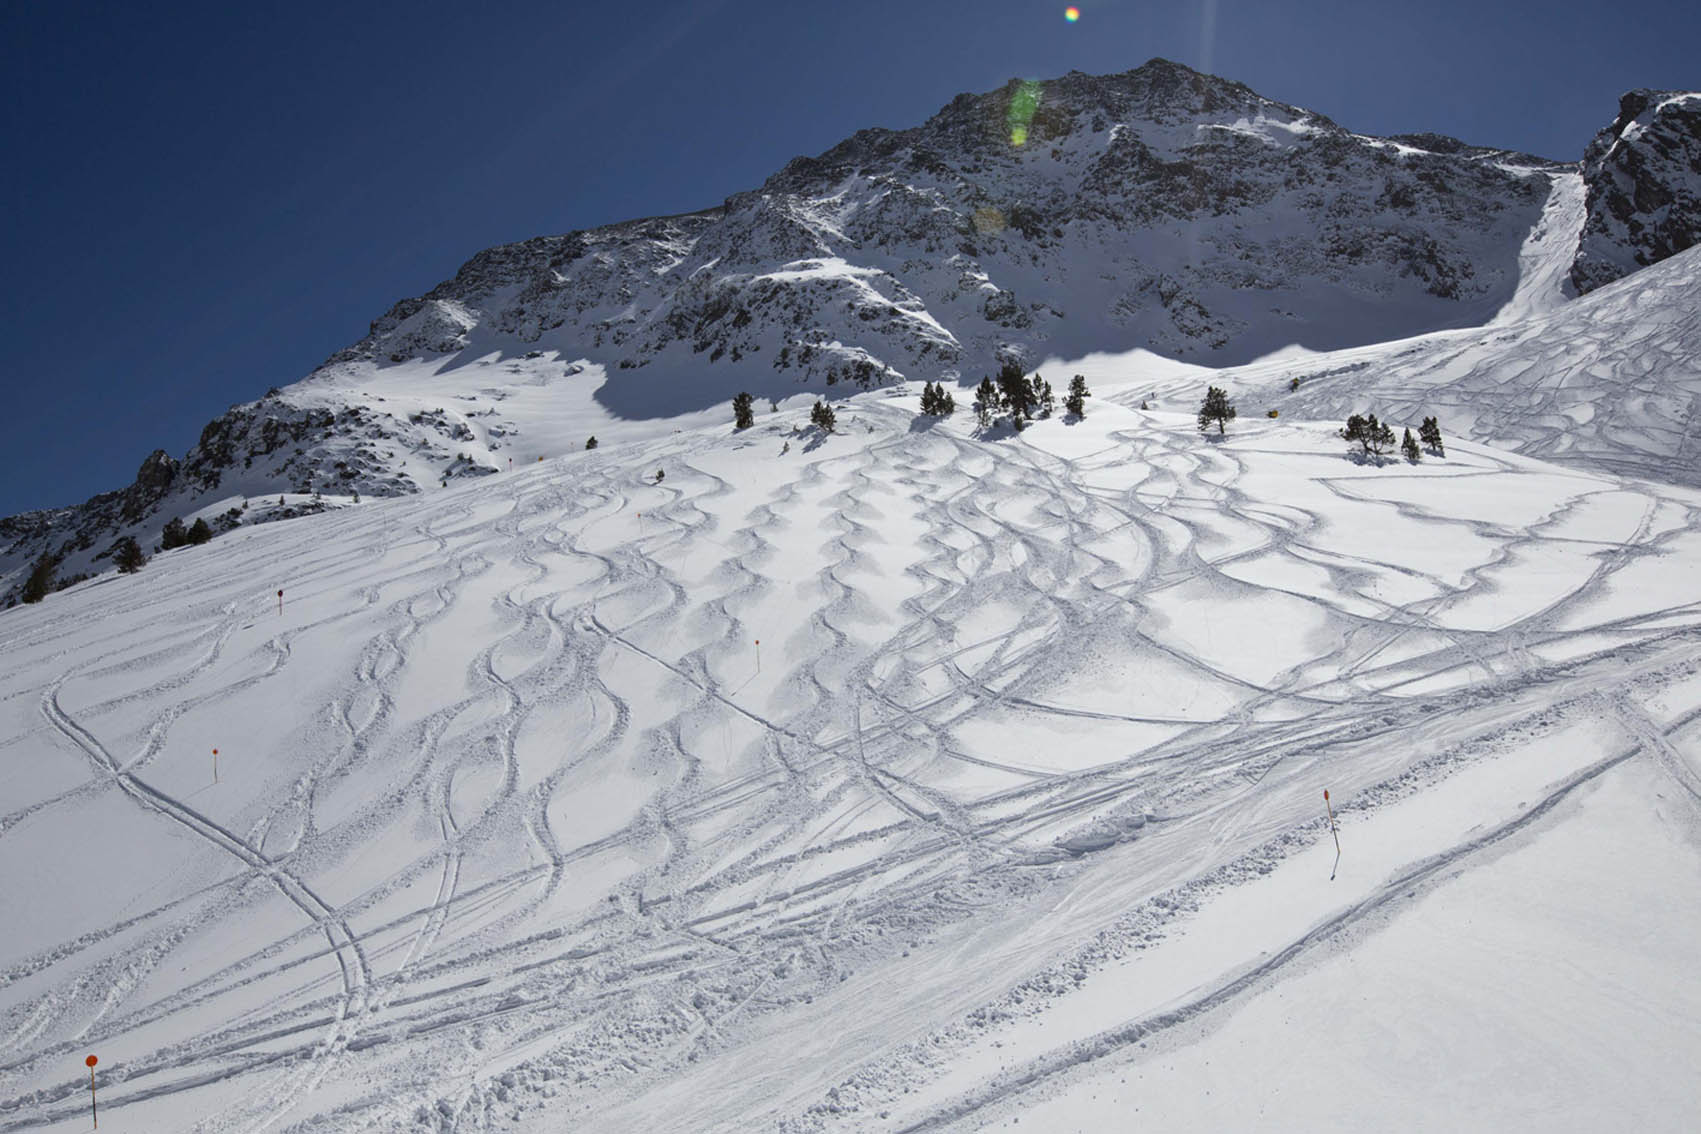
[1015, 812]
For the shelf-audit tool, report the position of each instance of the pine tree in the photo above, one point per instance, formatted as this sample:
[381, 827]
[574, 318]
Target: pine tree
[986, 402]
[743, 411]
[128, 556]
[175, 535]
[1409, 447]
[1015, 395]
[823, 417]
[1373, 437]
[935, 402]
[1047, 400]
[591, 442]
[199, 532]
[1215, 408]
[40, 580]
[1076, 403]
[1430, 432]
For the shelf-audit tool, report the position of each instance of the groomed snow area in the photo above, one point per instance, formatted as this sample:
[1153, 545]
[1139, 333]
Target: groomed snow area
[1014, 816]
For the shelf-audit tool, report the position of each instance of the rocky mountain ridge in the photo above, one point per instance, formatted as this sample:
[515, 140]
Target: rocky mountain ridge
[1643, 174]
[1159, 208]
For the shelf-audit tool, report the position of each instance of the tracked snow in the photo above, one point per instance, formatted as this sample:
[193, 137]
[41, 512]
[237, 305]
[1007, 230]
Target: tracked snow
[516, 825]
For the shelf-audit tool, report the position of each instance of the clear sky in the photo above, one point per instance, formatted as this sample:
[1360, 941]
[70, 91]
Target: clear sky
[205, 200]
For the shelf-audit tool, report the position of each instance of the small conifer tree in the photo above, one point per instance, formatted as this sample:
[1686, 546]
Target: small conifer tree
[175, 535]
[1215, 408]
[1430, 432]
[199, 532]
[986, 402]
[128, 556]
[1076, 403]
[1409, 446]
[821, 416]
[1047, 400]
[743, 411]
[1015, 394]
[40, 580]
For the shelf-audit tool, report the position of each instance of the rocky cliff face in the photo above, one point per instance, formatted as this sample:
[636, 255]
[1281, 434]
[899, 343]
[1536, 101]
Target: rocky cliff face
[1644, 187]
[1159, 208]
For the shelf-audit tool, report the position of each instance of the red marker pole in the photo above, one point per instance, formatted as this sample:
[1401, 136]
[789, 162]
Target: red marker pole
[95, 1114]
[758, 655]
[215, 765]
[1333, 830]
[280, 603]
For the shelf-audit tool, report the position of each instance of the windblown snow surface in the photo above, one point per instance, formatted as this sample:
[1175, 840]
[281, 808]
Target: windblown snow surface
[1015, 814]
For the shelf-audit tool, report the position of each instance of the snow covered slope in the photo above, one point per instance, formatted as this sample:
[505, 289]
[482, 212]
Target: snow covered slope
[1609, 382]
[902, 778]
[1159, 209]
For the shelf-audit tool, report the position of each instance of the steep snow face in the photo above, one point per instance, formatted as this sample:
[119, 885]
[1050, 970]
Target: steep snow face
[846, 782]
[1644, 178]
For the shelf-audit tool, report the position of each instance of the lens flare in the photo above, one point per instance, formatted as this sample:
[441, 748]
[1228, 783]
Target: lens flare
[1023, 103]
[1071, 14]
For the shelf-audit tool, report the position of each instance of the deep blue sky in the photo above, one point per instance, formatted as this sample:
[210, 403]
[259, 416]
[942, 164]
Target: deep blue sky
[205, 200]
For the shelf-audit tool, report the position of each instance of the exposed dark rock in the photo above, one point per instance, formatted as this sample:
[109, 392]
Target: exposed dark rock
[1643, 177]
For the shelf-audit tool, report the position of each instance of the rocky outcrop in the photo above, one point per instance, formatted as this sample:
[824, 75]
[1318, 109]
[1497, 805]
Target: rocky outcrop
[1643, 175]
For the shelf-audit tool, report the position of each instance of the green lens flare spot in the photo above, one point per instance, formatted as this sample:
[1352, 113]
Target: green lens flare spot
[1023, 104]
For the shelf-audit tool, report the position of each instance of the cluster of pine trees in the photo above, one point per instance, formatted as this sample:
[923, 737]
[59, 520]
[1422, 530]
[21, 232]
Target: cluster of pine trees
[176, 535]
[1375, 438]
[1014, 395]
[936, 401]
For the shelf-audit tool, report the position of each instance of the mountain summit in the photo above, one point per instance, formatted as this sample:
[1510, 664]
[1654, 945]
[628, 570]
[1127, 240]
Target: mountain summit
[1160, 208]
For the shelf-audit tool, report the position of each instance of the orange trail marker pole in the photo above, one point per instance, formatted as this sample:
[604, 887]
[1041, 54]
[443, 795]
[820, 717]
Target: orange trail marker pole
[95, 1114]
[1335, 830]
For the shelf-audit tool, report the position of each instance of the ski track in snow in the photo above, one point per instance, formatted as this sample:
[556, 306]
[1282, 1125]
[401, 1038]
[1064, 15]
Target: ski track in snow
[598, 849]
